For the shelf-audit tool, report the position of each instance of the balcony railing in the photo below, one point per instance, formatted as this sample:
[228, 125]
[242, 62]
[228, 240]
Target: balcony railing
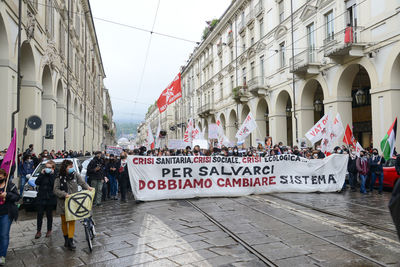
[258, 8]
[241, 94]
[348, 42]
[305, 62]
[206, 109]
[258, 85]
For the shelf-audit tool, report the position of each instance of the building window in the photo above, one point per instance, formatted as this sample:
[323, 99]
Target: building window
[220, 63]
[232, 54]
[261, 28]
[281, 11]
[282, 54]
[244, 77]
[251, 41]
[62, 40]
[252, 69]
[221, 88]
[232, 82]
[311, 42]
[262, 67]
[50, 17]
[329, 27]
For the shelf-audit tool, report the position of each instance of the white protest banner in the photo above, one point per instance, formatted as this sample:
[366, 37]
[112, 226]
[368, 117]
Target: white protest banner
[176, 144]
[213, 131]
[359, 148]
[202, 143]
[150, 138]
[248, 126]
[179, 177]
[158, 141]
[196, 133]
[115, 150]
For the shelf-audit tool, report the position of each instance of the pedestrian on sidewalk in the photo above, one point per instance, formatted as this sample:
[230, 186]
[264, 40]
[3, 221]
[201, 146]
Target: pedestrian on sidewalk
[123, 176]
[8, 213]
[363, 169]
[376, 167]
[65, 184]
[46, 200]
[352, 169]
[95, 172]
[111, 170]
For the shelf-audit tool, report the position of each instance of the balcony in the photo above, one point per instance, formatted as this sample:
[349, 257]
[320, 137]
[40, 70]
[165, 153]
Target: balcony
[250, 17]
[346, 44]
[258, 86]
[305, 63]
[259, 8]
[241, 94]
[205, 110]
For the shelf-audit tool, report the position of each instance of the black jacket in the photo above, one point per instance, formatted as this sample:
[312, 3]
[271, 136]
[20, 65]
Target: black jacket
[122, 172]
[397, 164]
[92, 173]
[112, 164]
[374, 166]
[351, 165]
[45, 193]
[11, 198]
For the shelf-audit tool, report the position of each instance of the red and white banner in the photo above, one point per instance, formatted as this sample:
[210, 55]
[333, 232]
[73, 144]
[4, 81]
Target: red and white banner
[248, 126]
[348, 137]
[155, 178]
[316, 132]
[170, 94]
[188, 136]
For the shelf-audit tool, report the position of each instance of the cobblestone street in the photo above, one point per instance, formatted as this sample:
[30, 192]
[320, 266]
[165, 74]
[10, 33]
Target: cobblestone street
[358, 231]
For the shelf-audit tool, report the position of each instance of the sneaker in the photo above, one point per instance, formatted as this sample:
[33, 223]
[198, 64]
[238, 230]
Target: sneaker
[48, 234]
[38, 235]
[2, 261]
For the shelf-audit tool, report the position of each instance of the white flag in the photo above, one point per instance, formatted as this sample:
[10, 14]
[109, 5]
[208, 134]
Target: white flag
[317, 131]
[222, 139]
[359, 148]
[196, 134]
[248, 126]
[187, 138]
[158, 134]
[150, 138]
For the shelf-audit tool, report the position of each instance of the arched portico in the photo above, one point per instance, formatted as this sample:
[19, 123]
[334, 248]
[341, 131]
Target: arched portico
[262, 119]
[61, 115]
[281, 119]
[49, 110]
[232, 126]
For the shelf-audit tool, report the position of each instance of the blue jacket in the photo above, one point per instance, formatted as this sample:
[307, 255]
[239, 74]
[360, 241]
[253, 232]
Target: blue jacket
[27, 168]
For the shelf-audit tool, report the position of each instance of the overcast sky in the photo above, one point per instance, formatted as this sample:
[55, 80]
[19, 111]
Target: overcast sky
[123, 49]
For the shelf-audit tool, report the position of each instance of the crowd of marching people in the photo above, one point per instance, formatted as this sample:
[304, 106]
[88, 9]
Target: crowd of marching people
[108, 175]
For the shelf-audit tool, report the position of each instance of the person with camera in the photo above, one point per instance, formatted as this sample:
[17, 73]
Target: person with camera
[95, 172]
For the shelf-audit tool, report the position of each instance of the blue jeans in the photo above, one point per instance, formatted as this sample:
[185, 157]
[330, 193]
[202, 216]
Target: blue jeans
[113, 185]
[5, 225]
[22, 183]
[363, 178]
[373, 179]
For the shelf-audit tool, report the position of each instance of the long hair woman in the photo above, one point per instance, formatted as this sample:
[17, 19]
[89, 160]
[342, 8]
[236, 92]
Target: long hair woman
[65, 184]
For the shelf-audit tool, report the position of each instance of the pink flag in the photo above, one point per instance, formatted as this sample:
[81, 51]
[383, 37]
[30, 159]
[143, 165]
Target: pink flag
[9, 158]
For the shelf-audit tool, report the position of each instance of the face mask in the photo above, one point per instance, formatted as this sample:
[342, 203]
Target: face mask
[71, 170]
[375, 153]
[1, 157]
[48, 170]
[339, 151]
[29, 160]
[2, 180]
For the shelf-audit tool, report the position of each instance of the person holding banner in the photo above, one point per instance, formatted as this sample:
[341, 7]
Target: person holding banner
[8, 212]
[65, 184]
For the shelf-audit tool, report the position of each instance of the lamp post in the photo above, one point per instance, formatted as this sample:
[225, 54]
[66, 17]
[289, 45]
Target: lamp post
[288, 112]
[318, 105]
[361, 97]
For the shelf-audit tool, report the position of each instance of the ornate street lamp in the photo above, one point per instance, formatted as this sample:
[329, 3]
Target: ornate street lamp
[266, 116]
[318, 105]
[288, 112]
[361, 97]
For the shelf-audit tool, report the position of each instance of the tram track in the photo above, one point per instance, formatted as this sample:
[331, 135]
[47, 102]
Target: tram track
[259, 255]
[335, 214]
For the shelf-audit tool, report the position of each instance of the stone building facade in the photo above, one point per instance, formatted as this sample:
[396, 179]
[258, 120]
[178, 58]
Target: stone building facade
[335, 55]
[61, 74]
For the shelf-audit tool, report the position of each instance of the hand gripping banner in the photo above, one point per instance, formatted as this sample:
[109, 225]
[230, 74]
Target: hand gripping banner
[154, 178]
[79, 205]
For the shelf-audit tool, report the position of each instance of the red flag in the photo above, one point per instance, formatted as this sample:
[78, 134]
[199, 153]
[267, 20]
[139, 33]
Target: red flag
[170, 94]
[9, 158]
[348, 137]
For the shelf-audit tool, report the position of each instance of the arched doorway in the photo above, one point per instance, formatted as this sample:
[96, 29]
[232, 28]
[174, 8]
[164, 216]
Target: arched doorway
[355, 83]
[70, 130]
[205, 129]
[49, 110]
[312, 105]
[61, 114]
[283, 119]
[232, 126]
[223, 122]
[5, 86]
[262, 114]
[31, 97]
[394, 96]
